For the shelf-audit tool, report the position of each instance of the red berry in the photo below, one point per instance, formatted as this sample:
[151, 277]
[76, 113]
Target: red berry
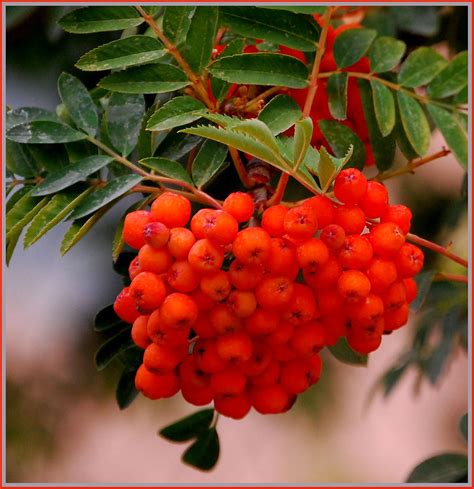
[350, 186]
[171, 209]
[133, 228]
[240, 206]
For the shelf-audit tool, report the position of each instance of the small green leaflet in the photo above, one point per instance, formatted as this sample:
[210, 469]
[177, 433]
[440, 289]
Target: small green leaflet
[337, 95]
[351, 45]
[100, 19]
[312, 9]
[167, 168]
[112, 190]
[106, 319]
[24, 210]
[344, 353]
[384, 107]
[280, 113]
[119, 343]
[302, 140]
[445, 468]
[209, 161]
[17, 196]
[189, 427]
[328, 167]
[451, 79]
[51, 157]
[176, 22]
[129, 51]
[385, 54]
[177, 112]
[28, 114]
[421, 66]
[78, 103]
[126, 392]
[19, 160]
[204, 452]
[67, 176]
[414, 122]
[42, 132]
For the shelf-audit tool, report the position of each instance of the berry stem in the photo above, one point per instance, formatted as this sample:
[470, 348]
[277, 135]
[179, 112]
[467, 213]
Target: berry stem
[412, 165]
[436, 248]
[451, 277]
[279, 191]
[240, 168]
[215, 420]
[253, 104]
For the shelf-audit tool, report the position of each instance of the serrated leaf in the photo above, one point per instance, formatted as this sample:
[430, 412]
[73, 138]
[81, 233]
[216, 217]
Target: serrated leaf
[464, 426]
[124, 116]
[129, 51]
[177, 112]
[200, 38]
[53, 213]
[126, 392]
[384, 107]
[80, 228]
[445, 468]
[258, 130]
[78, 103]
[327, 167]
[155, 78]
[19, 160]
[100, 19]
[385, 54]
[189, 427]
[261, 69]
[119, 343]
[284, 27]
[24, 210]
[65, 177]
[209, 161]
[106, 319]
[453, 132]
[280, 113]
[41, 132]
[421, 66]
[204, 452]
[28, 114]
[302, 140]
[383, 148]
[451, 79]
[351, 45]
[167, 168]
[345, 354]
[176, 22]
[340, 137]
[337, 95]
[414, 123]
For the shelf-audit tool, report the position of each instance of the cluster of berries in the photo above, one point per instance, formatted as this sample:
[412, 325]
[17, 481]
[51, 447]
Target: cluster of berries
[238, 317]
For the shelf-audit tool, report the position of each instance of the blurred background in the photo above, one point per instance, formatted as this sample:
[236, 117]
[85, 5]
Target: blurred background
[62, 421]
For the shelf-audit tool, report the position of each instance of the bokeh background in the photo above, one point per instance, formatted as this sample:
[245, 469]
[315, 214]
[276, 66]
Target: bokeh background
[62, 421]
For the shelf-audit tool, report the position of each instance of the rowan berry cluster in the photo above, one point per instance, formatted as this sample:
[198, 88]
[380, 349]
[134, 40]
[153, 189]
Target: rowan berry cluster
[237, 314]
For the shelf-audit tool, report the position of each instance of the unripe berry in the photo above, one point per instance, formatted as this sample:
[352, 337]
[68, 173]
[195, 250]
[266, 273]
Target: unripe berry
[240, 206]
[252, 246]
[400, 215]
[272, 220]
[125, 307]
[133, 227]
[324, 208]
[148, 291]
[375, 201]
[350, 186]
[156, 234]
[171, 209]
[300, 222]
[353, 285]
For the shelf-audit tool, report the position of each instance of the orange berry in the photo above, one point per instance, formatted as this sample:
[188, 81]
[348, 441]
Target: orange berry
[272, 220]
[258, 362]
[411, 289]
[329, 300]
[182, 277]
[207, 356]
[381, 274]
[350, 186]
[156, 234]
[252, 246]
[236, 407]
[193, 378]
[363, 342]
[367, 313]
[271, 399]
[353, 285]
[356, 252]
[230, 382]
[197, 396]
[297, 375]
[125, 307]
[171, 209]
[333, 236]
[139, 332]
[148, 291]
[308, 338]
[302, 306]
[324, 276]
[162, 334]
[351, 218]
[234, 347]
[240, 206]
[156, 386]
[281, 335]
[133, 228]
[159, 358]
[178, 311]
[394, 296]
[222, 319]
[312, 253]
[205, 257]
[242, 303]
[203, 302]
[269, 376]
[386, 239]
[216, 285]
[219, 227]
[325, 210]
[282, 257]
[203, 328]
[245, 276]
[262, 321]
[274, 292]
[334, 326]
[400, 215]
[375, 201]
[156, 260]
[409, 260]
[180, 242]
[396, 318]
[134, 268]
[300, 222]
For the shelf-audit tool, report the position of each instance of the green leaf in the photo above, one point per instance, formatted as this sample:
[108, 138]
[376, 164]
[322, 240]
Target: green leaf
[119, 343]
[287, 28]
[340, 137]
[312, 9]
[445, 468]
[197, 50]
[402, 140]
[260, 131]
[19, 160]
[176, 145]
[384, 107]
[209, 161]
[28, 114]
[106, 319]
[144, 145]
[414, 123]
[302, 140]
[22, 212]
[126, 392]
[80, 228]
[189, 427]
[385, 53]
[53, 213]
[464, 426]
[345, 354]
[423, 282]
[176, 22]
[422, 20]
[129, 51]
[462, 97]
[51, 157]
[177, 112]
[327, 167]
[67, 176]
[78, 103]
[337, 95]
[383, 148]
[155, 78]
[453, 131]
[280, 113]
[204, 452]
[16, 197]
[167, 168]
[112, 190]
[100, 19]
[124, 116]
[451, 79]
[11, 245]
[421, 66]
[41, 132]
[261, 69]
[351, 45]
[220, 88]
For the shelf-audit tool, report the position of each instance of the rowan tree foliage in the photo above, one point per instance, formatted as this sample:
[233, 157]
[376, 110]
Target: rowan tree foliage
[281, 104]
